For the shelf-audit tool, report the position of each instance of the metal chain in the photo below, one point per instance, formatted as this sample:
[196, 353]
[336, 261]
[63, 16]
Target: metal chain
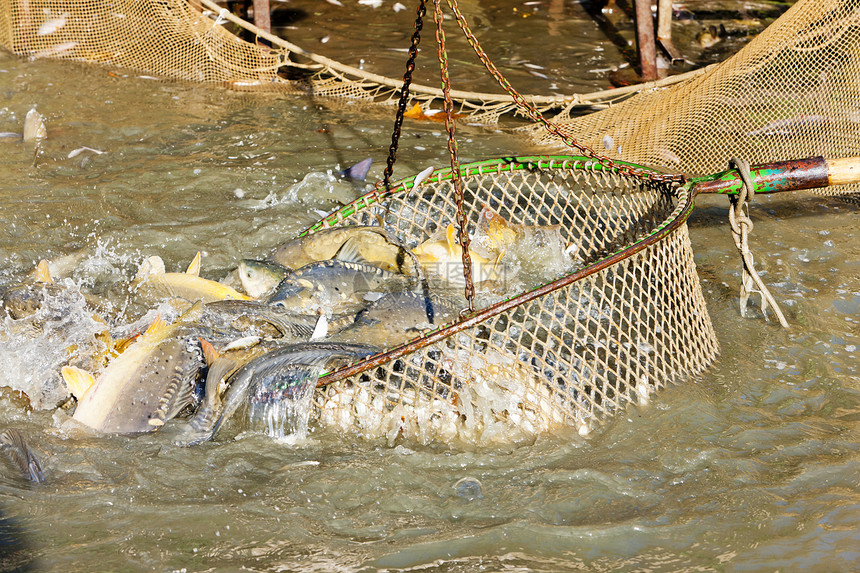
[456, 176]
[404, 95]
[553, 128]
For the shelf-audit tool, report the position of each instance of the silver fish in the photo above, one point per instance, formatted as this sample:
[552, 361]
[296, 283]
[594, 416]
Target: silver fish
[239, 317]
[199, 427]
[335, 287]
[260, 277]
[286, 373]
[396, 318]
[20, 454]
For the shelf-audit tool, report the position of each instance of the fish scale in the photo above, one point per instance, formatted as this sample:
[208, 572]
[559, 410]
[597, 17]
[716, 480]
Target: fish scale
[334, 286]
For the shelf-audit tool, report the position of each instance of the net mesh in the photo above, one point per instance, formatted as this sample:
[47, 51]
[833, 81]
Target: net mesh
[792, 92]
[176, 39]
[569, 357]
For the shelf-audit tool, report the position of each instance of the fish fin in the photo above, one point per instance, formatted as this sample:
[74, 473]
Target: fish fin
[43, 273]
[416, 112]
[321, 328]
[194, 267]
[358, 172]
[349, 253]
[156, 325]
[498, 261]
[209, 352]
[119, 345]
[419, 179]
[78, 381]
[152, 267]
[451, 237]
[13, 443]
[193, 313]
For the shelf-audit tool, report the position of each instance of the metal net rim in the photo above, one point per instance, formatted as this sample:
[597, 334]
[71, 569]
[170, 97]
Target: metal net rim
[672, 222]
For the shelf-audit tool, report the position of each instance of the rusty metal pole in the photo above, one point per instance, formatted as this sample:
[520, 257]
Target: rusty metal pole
[645, 40]
[262, 17]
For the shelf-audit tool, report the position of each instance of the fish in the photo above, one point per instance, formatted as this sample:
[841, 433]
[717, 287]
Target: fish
[145, 386]
[336, 286]
[539, 251]
[260, 277]
[151, 278]
[396, 318]
[52, 25]
[24, 299]
[286, 373]
[255, 317]
[357, 172]
[441, 255]
[34, 127]
[16, 448]
[373, 244]
[219, 370]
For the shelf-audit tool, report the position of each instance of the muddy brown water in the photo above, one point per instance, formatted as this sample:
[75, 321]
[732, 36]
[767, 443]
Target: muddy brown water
[754, 466]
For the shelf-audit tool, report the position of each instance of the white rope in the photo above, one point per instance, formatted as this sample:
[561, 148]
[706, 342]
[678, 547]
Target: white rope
[742, 225]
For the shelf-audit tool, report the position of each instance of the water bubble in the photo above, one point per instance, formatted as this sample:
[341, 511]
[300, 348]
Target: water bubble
[469, 488]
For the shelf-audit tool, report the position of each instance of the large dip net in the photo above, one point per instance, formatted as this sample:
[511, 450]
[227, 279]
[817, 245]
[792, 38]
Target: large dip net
[629, 317]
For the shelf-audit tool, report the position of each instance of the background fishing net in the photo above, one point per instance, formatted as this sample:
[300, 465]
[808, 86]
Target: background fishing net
[792, 92]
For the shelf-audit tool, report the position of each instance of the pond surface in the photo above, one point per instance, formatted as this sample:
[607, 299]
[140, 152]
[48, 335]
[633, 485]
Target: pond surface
[754, 466]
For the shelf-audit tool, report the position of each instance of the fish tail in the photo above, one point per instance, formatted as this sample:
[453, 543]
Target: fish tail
[16, 448]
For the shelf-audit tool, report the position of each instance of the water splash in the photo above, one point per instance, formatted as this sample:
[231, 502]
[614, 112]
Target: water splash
[281, 406]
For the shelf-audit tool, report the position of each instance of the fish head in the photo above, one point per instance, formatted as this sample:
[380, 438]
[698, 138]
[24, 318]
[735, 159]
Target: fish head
[260, 277]
[494, 231]
[296, 294]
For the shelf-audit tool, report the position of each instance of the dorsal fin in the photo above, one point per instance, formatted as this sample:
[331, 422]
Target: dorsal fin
[78, 381]
[43, 273]
[416, 112]
[451, 235]
[209, 352]
[358, 172]
[156, 325]
[194, 267]
[349, 253]
[152, 267]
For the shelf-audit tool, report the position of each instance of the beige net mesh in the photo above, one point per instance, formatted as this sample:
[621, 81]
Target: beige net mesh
[176, 39]
[792, 92]
[567, 356]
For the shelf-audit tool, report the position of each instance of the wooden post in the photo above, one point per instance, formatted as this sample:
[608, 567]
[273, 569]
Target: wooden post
[262, 18]
[664, 29]
[645, 40]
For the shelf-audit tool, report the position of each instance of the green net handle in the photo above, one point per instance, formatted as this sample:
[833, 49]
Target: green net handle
[781, 176]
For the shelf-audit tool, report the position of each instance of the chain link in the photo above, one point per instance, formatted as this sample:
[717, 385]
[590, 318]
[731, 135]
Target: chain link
[404, 95]
[456, 176]
[536, 116]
